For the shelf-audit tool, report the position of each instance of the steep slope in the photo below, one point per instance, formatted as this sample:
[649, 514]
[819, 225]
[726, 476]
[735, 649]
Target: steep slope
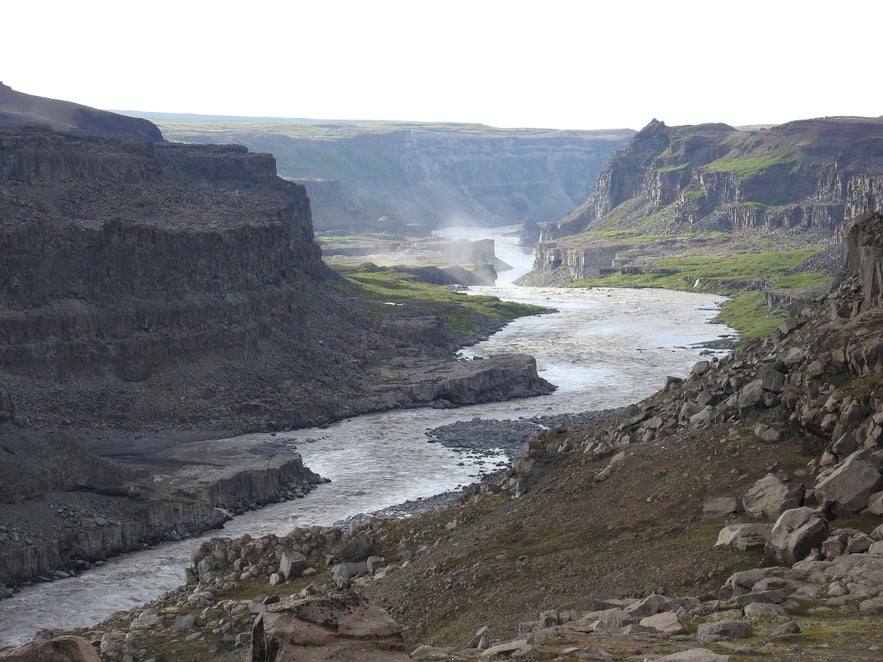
[598, 529]
[795, 184]
[22, 110]
[424, 174]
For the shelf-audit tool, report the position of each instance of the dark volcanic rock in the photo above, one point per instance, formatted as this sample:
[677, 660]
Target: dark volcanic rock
[21, 110]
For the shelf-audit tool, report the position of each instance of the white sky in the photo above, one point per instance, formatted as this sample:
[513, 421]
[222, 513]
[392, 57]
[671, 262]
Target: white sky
[577, 64]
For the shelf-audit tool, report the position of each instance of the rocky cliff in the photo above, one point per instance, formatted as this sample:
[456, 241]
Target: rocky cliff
[800, 181]
[425, 174]
[739, 510]
[26, 110]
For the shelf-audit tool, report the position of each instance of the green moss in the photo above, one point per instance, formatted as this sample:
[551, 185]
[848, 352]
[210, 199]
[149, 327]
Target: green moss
[460, 313]
[805, 279]
[694, 196]
[750, 164]
[749, 314]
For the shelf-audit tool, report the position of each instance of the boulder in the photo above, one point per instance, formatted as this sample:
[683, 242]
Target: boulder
[797, 532]
[743, 536]
[665, 621]
[770, 496]
[613, 620]
[721, 506]
[340, 626]
[358, 548]
[511, 648]
[718, 630]
[846, 488]
[292, 564]
[57, 649]
[652, 604]
[694, 655]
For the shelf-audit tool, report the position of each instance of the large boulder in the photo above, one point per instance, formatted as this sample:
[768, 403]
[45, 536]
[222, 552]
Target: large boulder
[795, 534]
[58, 649]
[772, 495]
[339, 626]
[718, 630]
[743, 536]
[846, 488]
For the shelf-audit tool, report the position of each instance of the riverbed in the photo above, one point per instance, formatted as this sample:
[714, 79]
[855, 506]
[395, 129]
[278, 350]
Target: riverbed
[603, 348]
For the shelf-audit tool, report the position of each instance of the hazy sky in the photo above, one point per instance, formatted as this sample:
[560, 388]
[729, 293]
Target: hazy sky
[546, 63]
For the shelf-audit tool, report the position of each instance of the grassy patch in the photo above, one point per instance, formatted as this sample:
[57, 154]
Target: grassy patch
[460, 313]
[694, 196]
[749, 315]
[804, 279]
[750, 165]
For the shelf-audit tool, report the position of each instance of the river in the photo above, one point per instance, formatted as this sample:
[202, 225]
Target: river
[604, 348]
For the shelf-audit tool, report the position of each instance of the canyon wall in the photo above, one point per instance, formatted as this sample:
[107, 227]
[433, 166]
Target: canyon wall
[801, 180]
[427, 174]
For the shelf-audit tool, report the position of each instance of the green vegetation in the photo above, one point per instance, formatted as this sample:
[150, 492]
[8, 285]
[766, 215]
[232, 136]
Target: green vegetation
[805, 279]
[460, 313]
[748, 313]
[756, 206]
[694, 196]
[729, 275]
[750, 165]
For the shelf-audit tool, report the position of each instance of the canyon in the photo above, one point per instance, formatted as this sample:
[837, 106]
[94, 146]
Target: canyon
[364, 176]
[686, 190]
[155, 290]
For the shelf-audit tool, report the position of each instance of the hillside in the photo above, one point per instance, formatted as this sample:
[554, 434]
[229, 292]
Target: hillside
[677, 195]
[419, 174]
[154, 293]
[734, 515]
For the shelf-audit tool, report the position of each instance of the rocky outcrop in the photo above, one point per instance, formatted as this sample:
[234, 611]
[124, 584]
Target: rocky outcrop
[803, 178]
[332, 627]
[25, 110]
[432, 175]
[57, 649]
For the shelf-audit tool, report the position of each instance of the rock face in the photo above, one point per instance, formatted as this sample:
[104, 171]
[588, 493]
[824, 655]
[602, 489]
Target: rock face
[25, 110]
[434, 175]
[58, 649]
[332, 627]
[805, 177]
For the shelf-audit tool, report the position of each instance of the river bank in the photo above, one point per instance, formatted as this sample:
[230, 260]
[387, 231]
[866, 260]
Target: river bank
[603, 349]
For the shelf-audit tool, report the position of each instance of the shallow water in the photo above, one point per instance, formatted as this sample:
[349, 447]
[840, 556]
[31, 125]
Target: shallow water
[603, 349]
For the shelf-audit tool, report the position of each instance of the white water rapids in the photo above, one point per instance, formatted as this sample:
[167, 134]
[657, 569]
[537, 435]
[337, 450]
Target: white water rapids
[603, 349]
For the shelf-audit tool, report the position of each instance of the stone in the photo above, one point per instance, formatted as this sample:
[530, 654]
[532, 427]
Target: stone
[358, 548]
[482, 639]
[652, 604]
[185, 622]
[786, 629]
[335, 626]
[846, 488]
[292, 565]
[719, 630]
[694, 655]
[760, 610]
[548, 619]
[773, 596]
[613, 620]
[146, 620]
[56, 649]
[795, 534]
[343, 573]
[743, 536]
[665, 621]
[722, 506]
[511, 649]
[772, 380]
[770, 496]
